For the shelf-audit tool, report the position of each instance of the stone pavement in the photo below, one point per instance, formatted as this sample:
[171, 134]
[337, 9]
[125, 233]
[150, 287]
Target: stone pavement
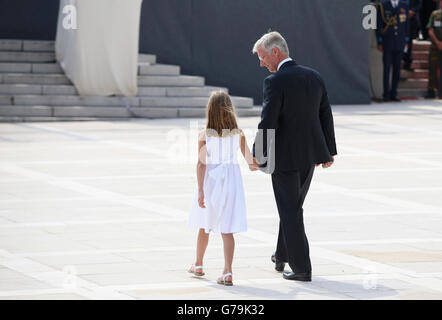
[98, 210]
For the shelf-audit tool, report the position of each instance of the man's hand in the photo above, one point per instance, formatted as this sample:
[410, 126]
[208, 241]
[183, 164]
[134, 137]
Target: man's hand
[327, 164]
[201, 198]
[380, 47]
[411, 14]
[439, 45]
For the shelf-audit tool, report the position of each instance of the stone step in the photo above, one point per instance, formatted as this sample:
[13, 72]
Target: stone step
[420, 64]
[158, 69]
[33, 86]
[238, 102]
[171, 81]
[421, 45]
[72, 100]
[64, 111]
[406, 93]
[28, 111]
[203, 91]
[15, 119]
[414, 84]
[147, 58]
[26, 45]
[29, 89]
[255, 111]
[34, 78]
[43, 56]
[415, 74]
[116, 112]
[14, 67]
[12, 89]
[420, 55]
[143, 68]
[81, 112]
[26, 56]
[66, 100]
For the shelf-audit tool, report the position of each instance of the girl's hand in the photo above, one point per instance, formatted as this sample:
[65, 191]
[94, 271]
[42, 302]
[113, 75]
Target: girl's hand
[201, 198]
[327, 164]
[254, 165]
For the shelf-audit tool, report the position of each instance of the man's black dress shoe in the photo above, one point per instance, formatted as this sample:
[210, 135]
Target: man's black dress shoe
[279, 266]
[395, 99]
[430, 94]
[306, 276]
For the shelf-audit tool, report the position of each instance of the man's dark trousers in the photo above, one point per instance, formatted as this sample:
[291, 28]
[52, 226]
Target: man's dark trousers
[392, 60]
[290, 189]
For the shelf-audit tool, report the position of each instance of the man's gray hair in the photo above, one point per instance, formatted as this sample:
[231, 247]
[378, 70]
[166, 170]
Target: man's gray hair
[271, 40]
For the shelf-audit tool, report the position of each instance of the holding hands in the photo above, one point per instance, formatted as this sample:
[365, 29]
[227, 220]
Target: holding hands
[253, 165]
[327, 164]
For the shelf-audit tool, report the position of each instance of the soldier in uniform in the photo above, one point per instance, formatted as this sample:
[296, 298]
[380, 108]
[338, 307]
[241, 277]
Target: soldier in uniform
[434, 27]
[392, 35]
[414, 7]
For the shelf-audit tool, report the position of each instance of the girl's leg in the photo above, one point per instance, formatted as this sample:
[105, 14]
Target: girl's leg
[201, 245]
[229, 248]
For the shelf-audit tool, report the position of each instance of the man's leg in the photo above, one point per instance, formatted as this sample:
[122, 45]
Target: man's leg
[432, 73]
[290, 189]
[281, 247]
[408, 56]
[439, 87]
[397, 58]
[387, 59]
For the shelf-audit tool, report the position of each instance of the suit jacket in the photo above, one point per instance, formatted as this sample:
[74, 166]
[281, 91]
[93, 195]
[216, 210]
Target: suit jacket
[415, 5]
[396, 35]
[295, 104]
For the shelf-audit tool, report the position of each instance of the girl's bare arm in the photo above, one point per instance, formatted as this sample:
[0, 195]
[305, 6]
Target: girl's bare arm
[245, 150]
[201, 167]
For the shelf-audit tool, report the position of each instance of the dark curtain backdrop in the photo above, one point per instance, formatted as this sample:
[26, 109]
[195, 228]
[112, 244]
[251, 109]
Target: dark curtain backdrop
[28, 19]
[214, 38]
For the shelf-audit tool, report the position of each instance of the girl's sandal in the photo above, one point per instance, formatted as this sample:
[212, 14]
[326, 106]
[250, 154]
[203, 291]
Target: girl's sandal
[222, 280]
[194, 269]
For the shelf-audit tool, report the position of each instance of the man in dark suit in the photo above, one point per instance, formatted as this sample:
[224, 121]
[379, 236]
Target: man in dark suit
[428, 6]
[392, 36]
[296, 107]
[414, 6]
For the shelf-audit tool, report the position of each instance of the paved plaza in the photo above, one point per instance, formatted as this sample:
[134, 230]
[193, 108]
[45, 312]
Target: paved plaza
[98, 210]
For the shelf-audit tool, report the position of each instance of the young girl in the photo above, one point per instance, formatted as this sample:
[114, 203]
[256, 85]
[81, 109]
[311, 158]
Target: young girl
[220, 204]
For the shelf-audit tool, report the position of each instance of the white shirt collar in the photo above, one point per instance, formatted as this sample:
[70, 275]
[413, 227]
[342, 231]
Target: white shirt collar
[284, 61]
[394, 3]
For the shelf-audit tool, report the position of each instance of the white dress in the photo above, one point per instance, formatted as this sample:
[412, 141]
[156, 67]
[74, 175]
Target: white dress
[224, 199]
